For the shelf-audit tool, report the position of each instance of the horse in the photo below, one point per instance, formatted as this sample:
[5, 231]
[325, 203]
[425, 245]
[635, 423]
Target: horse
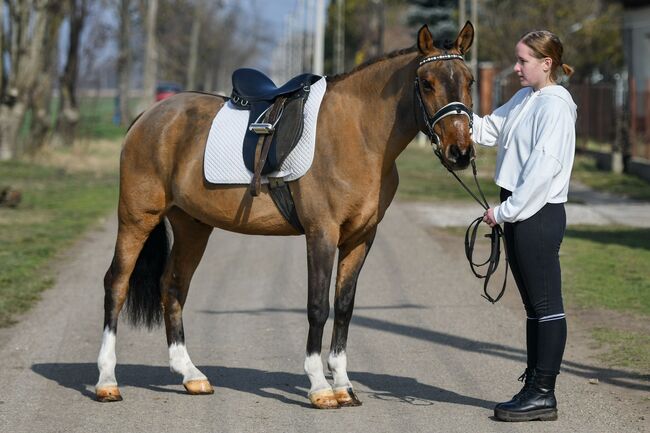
[367, 118]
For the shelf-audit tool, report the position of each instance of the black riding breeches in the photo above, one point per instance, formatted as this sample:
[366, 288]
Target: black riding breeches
[532, 246]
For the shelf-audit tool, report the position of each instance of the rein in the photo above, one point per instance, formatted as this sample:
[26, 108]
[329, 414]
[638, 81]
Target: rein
[496, 236]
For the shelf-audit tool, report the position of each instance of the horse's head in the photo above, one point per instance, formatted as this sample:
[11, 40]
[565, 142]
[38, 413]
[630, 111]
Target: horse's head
[443, 91]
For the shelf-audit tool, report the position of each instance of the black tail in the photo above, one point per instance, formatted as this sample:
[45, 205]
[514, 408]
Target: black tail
[143, 303]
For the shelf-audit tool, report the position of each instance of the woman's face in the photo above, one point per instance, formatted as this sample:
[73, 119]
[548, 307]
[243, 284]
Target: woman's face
[532, 71]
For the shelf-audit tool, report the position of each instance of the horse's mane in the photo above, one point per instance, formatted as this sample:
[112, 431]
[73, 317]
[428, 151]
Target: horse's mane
[444, 45]
[372, 61]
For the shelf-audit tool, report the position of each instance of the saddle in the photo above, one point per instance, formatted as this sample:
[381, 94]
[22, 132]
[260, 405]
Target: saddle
[275, 122]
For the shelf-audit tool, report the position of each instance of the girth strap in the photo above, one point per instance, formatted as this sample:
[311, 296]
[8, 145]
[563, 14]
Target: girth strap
[281, 195]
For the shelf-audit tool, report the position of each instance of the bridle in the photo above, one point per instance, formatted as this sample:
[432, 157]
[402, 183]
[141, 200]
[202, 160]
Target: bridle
[454, 109]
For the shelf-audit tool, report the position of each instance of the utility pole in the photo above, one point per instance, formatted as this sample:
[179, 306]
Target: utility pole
[319, 40]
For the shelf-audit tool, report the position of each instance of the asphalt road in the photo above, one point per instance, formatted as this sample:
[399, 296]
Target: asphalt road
[426, 353]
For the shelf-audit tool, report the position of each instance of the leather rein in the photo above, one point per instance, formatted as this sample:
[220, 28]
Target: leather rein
[454, 109]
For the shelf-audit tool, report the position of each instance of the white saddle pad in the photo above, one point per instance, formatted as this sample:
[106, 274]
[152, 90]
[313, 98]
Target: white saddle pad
[224, 162]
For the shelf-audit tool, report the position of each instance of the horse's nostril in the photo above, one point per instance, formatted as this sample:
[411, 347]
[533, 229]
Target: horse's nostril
[454, 151]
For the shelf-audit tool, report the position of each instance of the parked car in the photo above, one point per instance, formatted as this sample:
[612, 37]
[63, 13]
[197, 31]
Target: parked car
[167, 89]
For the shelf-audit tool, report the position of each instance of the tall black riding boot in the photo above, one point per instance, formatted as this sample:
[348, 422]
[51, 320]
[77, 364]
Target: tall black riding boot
[535, 403]
[528, 378]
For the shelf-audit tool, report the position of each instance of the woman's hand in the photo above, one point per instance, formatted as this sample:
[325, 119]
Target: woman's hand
[488, 217]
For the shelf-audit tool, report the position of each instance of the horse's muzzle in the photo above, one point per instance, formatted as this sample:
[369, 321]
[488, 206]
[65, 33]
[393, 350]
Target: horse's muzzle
[459, 158]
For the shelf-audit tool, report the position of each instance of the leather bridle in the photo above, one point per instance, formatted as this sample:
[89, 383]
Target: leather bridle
[454, 108]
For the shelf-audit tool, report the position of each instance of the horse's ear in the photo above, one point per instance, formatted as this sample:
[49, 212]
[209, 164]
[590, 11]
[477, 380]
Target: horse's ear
[465, 38]
[425, 40]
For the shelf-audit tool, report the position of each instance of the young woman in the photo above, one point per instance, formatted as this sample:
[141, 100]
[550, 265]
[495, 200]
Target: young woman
[535, 135]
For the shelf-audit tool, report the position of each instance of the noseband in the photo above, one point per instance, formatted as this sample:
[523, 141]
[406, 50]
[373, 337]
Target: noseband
[452, 109]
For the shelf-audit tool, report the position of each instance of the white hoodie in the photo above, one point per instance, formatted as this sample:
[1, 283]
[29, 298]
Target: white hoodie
[535, 134]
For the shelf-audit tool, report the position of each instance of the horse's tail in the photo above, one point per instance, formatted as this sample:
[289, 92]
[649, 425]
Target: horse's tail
[144, 300]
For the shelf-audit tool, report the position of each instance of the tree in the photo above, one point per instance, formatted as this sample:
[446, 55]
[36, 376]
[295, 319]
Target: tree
[151, 54]
[589, 29]
[439, 15]
[41, 94]
[25, 28]
[124, 61]
[68, 116]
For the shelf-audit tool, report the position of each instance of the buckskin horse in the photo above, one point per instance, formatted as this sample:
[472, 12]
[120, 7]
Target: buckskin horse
[367, 118]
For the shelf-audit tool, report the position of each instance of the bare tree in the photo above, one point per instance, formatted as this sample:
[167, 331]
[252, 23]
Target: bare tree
[26, 28]
[151, 53]
[124, 61]
[68, 116]
[41, 96]
[199, 11]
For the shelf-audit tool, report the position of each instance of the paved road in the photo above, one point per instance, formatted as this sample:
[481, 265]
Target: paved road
[426, 353]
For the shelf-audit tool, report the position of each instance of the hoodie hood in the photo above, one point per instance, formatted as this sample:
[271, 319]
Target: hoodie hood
[557, 91]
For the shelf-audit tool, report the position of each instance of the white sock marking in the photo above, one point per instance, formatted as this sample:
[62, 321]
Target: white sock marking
[314, 370]
[106, 360]
[180, 362]
[338, 365]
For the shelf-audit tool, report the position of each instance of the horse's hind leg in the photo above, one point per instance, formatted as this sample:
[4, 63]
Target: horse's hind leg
[190, 240]
[131, 237]
[351, 259]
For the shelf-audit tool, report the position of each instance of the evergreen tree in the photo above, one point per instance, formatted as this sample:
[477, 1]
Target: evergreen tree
[439, 15]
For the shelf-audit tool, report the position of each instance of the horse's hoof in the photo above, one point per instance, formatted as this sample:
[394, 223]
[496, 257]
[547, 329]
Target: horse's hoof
[346, 397]
[198, 387]
[108, 394]
[323, 399]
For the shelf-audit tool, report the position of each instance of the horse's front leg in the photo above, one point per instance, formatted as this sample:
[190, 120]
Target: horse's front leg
[321, 249]
[351, 259]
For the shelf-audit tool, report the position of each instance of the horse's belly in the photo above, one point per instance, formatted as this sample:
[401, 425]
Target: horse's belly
[232, 208]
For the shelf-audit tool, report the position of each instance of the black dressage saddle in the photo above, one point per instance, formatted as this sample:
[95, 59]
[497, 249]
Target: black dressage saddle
[276, 118]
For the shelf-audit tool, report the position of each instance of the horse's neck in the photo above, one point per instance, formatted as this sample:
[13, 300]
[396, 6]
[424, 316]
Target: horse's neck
[384, 105]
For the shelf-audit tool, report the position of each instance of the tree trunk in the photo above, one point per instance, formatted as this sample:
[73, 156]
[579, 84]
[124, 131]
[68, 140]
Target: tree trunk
[41, 96]
[29, 21]
[194, 46]
[68, 118]
[124, 63]
[151, 55]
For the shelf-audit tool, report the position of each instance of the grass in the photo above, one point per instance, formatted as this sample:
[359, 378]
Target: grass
[585, 171]
[59, 201]
[423, 178]
[623, 349]
[607, 267]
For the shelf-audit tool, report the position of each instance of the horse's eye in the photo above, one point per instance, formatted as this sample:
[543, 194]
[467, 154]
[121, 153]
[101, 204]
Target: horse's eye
[426, 85]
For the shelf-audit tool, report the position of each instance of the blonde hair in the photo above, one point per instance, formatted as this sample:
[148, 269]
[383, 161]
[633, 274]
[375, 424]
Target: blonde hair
[546, 44]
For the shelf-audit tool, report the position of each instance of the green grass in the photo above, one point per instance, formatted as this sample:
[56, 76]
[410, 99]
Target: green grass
[623, 349]
[57, 206]
[423, 178]
[585, 171]
[607, 267]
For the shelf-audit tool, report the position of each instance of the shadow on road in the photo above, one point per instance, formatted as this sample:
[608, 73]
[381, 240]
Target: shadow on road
[621, 378]
[273, 385]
